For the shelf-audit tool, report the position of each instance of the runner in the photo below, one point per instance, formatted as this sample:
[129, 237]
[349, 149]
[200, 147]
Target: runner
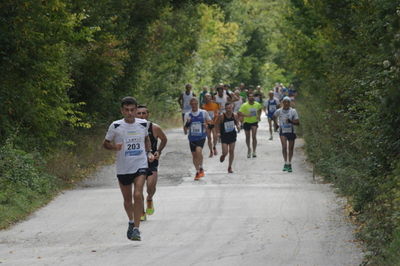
[184, 99]
[251, 112]
[195, 123]
[155, 133]
[270, 106]
[202, 95]
[243, 91]
[129, 137]
[288, 117]
[221, 98]
[236, 106]
[213, 109]
[225, 125]
[259, 95]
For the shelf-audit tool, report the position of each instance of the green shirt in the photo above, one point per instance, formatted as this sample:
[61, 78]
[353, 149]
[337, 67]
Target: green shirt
[250, 109]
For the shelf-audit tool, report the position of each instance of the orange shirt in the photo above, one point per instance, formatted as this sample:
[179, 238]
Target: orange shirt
[212, 108]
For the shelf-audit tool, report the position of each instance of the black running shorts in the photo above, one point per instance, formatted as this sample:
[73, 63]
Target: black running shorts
[248, 126]
[127, 179]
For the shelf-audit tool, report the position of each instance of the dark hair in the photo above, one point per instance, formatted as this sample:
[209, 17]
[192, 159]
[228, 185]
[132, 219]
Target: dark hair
[226, 104]
[142, 106]
[128, 100]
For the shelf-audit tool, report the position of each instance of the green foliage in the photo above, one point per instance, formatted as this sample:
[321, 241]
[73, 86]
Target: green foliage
[24, 185]
[345, 55]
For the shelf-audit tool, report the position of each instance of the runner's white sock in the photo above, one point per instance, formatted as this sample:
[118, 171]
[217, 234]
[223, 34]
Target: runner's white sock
[286, 162]
[131, 221]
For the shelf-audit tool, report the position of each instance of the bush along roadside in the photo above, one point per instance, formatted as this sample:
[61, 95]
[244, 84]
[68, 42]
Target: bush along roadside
[343, 153]
[24, 184]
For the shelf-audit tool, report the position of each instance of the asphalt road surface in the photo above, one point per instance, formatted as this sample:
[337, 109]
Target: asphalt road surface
[258, 215]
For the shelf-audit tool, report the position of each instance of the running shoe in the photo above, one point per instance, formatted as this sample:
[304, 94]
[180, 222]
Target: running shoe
[254, 155]
[129, 233]
[197, 176]
[230, 170]
[201, 172]
[135, 234]
[215, 151]
[289, 168]
[222, 158]
[143, 217]
[248, 154]
[270, 138]
[285, 167]
[150, 207]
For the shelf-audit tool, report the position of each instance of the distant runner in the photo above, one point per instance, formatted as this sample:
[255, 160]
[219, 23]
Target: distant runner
[195, 124]
[251, 111]
[129, 137]
[227, 124]
[184, 99]
[270, 106]
[213, 109]
[155, 133]
[288, 117]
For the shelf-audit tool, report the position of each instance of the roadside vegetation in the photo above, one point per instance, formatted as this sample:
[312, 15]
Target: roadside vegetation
[66, 64]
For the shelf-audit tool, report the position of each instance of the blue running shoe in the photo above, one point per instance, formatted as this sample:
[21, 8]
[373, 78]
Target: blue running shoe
[129, 233]
[136, 234]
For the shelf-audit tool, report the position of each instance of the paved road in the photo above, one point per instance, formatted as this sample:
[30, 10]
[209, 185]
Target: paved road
[257, 216]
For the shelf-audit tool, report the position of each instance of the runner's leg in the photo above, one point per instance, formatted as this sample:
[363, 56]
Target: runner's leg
[270, 127]
[284, 148]
[151, 185]
[247, 132]
[231, 153]
[254, 137]
[210, 141]
[138, 198]
[224, 152]
[126, 191]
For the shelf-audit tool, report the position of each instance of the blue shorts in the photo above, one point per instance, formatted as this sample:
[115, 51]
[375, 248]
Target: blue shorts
[271, 115]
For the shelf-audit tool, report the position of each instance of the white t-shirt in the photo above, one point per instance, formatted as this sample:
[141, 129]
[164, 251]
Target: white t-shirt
[133, 155]
[283, 116]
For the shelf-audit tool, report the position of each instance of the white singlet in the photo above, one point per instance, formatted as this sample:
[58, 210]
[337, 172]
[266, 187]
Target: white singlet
[186, 102]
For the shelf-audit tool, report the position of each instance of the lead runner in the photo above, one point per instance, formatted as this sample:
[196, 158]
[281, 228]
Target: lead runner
[129, 138]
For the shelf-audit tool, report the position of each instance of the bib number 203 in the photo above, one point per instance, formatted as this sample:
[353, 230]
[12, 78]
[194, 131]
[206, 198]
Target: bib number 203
[133, 146]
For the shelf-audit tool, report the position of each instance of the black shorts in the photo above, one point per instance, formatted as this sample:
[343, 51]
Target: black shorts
[248, 126]
[153, 167]
[289, 136]
[127, 179]
[228, 139]
[210, 126]
[197, 143]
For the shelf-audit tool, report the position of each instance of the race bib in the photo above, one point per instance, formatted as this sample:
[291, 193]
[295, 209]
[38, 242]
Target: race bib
[133, 149]
[196, 129]
[229, 126]
[253, 112]
[211, 114]
[287, 127]
[272, 108]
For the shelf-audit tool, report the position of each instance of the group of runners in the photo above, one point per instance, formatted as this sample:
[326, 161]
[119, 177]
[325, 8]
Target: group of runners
[219, 114]
[222, 115]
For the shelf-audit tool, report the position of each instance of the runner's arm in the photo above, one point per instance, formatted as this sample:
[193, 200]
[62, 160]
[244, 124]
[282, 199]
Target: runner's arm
[112, 146]
[180, 101]
[147, 144]
[159, 133]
